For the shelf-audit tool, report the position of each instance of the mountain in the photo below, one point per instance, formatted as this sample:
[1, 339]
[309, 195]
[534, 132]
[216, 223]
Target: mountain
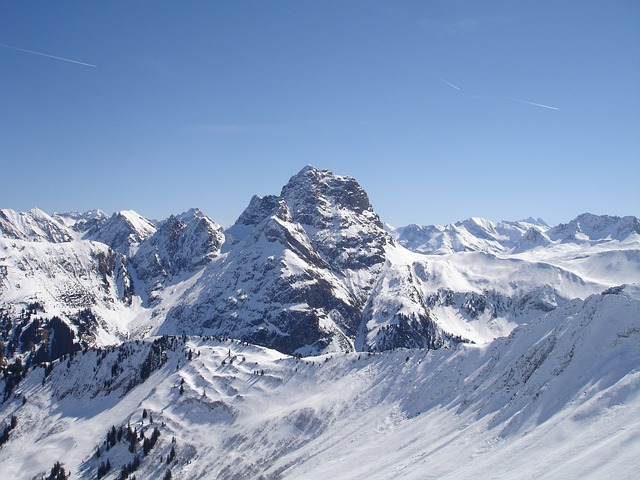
[34, 225]
[472, 235]
[81, 291]
[309, 271]
[297, 273]
[88, 291]
[308, 340]
[82, 222]
[557, 398]
[596, 228]
[477, 234]
[123, 231]
[313, 270]
[181, 245]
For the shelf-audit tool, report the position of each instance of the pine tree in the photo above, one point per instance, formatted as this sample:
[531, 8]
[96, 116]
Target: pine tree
[102, 470]
[57, 472]
[146, 446]
[172, 455]
[4, 437]
[154, 437]
[111, 437]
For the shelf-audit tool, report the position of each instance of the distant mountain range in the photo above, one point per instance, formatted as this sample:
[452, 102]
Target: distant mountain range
[311, 271]
[480, 235]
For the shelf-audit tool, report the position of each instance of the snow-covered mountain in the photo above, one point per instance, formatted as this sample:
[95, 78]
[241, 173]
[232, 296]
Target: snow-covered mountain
[123, 231]
[85, 286]
[82, 222]
[298, 273]
[309, 271]
[181, 245]
[34, 226]
[480, 235]
[557, 398]
[313, 270]
[596, 228]
[472, 235]
[497, 334]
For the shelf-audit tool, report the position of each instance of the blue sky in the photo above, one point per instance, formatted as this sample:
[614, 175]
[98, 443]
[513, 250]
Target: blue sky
[438, 108]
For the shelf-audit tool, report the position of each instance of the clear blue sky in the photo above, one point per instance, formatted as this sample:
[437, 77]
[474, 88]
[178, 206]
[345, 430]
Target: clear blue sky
[424, 102]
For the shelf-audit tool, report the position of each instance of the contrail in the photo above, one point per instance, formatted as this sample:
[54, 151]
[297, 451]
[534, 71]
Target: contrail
[47, 55]
[532, 103]
[449, 83]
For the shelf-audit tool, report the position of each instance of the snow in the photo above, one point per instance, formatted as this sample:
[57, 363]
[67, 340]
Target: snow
[123, 231]
[606, 263]
[474, 295]
[34, 225]
[138, 222]
[536, 372]
[320, 244]
[559, 397]
[477, 234]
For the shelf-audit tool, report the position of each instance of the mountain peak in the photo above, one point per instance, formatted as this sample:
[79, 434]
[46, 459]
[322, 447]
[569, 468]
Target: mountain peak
[258, 209]
[535, 221]
[34, 225]
[181, 244]
[123, 231]
[311, 168]
[81, 222]
[314, 196]
[590, 227]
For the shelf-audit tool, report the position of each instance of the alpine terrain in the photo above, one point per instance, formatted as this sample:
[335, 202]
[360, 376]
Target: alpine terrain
[311, 340]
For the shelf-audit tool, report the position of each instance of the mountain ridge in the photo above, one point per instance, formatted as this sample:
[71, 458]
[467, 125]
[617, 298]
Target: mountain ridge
[308, 340]
[318, 261]
[548, 391]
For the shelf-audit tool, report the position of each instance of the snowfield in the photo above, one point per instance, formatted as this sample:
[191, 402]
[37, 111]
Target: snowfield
[558, 398]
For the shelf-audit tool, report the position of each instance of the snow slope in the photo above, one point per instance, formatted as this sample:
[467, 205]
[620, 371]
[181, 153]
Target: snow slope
[65, 279]
[34, 225]
[472, 296]
[558, 398]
